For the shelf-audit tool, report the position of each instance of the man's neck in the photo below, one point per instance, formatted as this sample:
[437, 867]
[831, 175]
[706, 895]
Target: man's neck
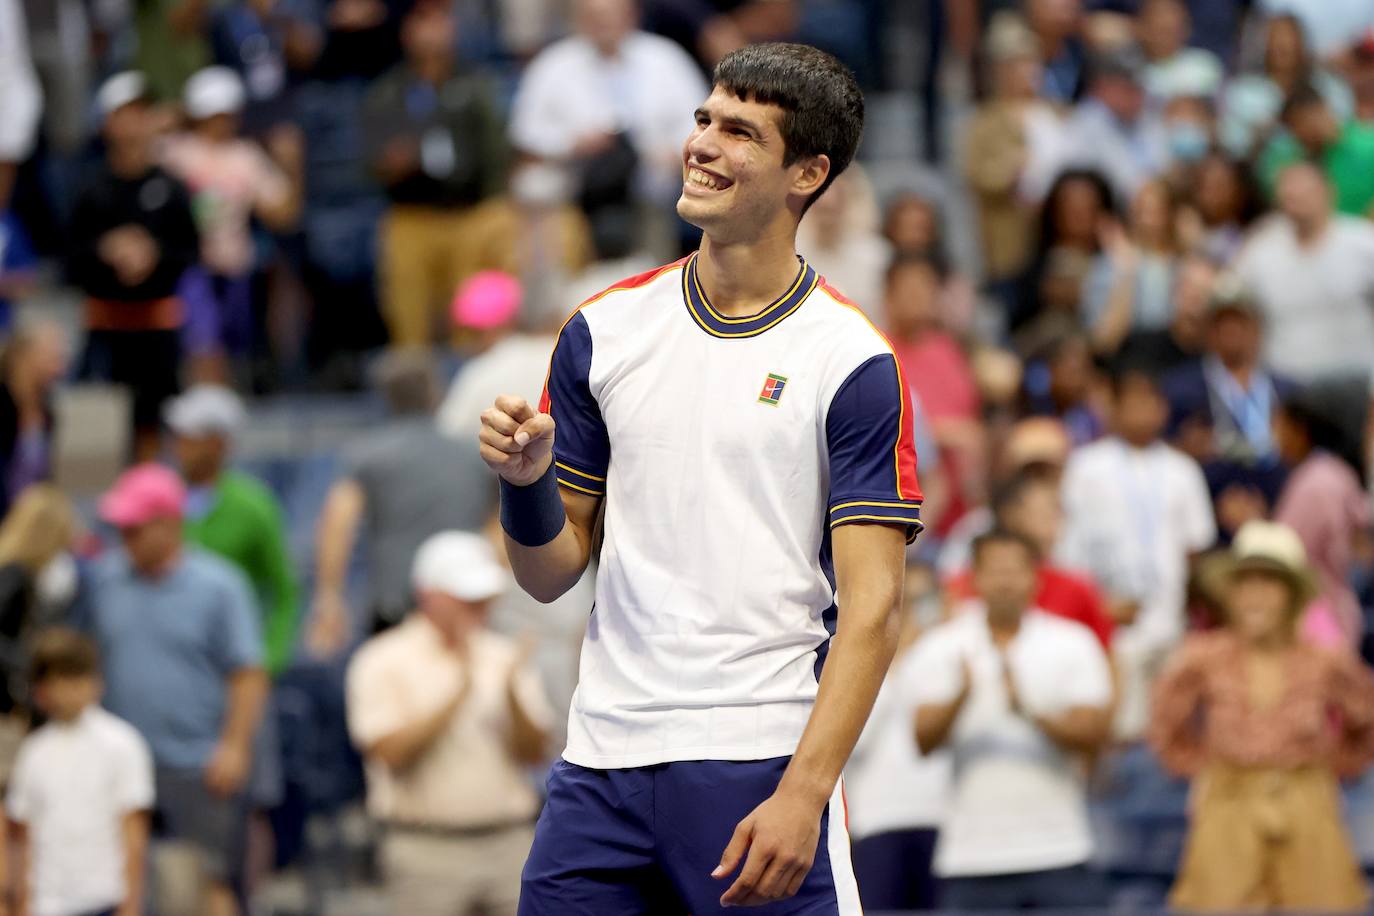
[1309, 232]
[164, 567]
[205, 480]
[433, 70]
[131, 161]
[1242, 370]
[1004, 626]
[743, 278]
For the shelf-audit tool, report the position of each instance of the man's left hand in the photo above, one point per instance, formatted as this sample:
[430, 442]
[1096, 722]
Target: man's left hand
[780, 837]
[228, 768]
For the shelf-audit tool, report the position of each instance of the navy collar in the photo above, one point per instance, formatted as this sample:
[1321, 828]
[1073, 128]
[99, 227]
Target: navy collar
[718, 325]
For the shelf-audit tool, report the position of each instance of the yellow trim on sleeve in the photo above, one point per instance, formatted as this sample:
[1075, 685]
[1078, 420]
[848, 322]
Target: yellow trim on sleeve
[573, 486]
[579, 473]
[909, 504]
[835, 523]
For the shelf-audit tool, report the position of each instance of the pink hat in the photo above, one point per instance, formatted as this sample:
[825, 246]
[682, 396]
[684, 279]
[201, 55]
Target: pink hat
[488, 299]
[141, 494]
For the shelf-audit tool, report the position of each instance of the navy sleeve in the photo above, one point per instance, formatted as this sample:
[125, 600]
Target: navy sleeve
[581, 446]
[868, 432]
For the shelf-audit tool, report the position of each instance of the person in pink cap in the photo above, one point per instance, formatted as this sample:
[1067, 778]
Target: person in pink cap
[178, 633]
[489, 307]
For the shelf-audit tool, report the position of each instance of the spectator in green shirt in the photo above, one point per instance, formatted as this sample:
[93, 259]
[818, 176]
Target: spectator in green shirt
[1345, 151]
[233, 514]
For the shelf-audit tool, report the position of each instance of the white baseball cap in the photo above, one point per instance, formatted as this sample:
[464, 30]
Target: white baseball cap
[119, 90]
[459, 564]
[213, 91]
[205, 410]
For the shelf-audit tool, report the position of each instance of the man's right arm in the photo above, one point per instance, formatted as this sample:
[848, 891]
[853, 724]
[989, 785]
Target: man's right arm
[517, 443]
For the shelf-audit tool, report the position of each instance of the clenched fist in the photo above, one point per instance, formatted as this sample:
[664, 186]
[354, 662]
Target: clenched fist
[516, 440]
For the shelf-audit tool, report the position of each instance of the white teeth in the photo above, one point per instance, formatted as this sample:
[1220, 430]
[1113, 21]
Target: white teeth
[701, 179]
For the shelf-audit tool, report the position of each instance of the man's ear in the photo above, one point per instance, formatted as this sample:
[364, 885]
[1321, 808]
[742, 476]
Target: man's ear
[814, 171]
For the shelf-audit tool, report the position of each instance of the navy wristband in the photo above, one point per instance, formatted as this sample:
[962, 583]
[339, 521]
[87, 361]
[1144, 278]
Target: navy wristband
[533, 515]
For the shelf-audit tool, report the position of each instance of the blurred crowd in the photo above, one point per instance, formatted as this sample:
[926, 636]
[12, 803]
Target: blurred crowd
[1123, 249]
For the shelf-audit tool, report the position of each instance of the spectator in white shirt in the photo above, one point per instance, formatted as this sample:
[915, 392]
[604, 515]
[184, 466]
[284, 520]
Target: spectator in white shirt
[1114, 130]
[80, 793]
[896, 796]
[1019, 697]
[610, 80]
[1312, 273]
[1135, 511]
[21, 98]
[447, 715]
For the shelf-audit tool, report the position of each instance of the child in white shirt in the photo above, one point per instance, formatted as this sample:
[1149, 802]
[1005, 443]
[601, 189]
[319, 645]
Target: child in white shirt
[80, 793]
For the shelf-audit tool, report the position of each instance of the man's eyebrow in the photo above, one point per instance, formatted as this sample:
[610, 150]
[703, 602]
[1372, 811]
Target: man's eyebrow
[730, 120]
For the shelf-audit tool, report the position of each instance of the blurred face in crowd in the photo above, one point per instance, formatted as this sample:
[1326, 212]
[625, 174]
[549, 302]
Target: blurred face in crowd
[1037, 515]
[1071, 372]
[1162, 28]
[912, 299]
[1261, 606]
[1291, 438]
[1078, 208]
[428, 33]
[201, 457]
[1235, 337]
[911, 225]
[827, 215]
[152, 545]
[1122, 95]
[1218, 192]
[1192, 289]
[42, 360]
[734, 182]
[1313, 125]
[1004, 574]
[454, 618]
[1018, 77]
[1141, 411]
[218, 128]
[1284, 53]
[1304, 196]
[129, 125]
[62, 696]
[1189, 122]
[1053, 19]
[605, 23]
[1152, 214]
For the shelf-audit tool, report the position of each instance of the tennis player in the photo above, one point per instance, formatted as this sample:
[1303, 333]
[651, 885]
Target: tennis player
[744, 434]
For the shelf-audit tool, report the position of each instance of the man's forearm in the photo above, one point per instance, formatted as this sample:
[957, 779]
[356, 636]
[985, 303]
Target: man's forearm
[935, 722]
[401, 748]
[854, 671]
[528, 741]
[1081, 730]
[247, 696]
[343, 510]
[546, 572]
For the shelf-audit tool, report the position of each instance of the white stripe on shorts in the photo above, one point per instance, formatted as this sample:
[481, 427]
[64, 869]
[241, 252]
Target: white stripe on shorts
[841, 866]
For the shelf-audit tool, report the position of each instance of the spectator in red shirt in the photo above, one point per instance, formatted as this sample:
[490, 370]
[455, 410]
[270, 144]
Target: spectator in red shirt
[935, 366]
[1028, 505]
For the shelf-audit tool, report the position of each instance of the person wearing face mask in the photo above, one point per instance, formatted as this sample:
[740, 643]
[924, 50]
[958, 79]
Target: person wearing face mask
[1265, 724]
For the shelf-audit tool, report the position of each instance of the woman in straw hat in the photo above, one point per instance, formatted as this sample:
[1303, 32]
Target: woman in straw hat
[1265, 725]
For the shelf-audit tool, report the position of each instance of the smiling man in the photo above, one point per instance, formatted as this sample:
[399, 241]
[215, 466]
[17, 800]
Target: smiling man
[747, 435]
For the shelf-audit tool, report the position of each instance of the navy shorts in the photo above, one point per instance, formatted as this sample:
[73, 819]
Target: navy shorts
[643, 842]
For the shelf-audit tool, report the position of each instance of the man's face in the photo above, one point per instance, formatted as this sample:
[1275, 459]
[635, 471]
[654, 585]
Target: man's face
[1122, 95]
[428, 33]
[1313, 126]
[1005, 576]
[1141, 412]
[912, 299]
[1234, 336]
[734, 182]
[200, 457]
[605, 23]
[151, 544]
[128, 125]
[1303, 195]
[1038, 516]
[454, 618]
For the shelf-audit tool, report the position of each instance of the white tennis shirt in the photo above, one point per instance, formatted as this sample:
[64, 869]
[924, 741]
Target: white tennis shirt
[726, 449]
